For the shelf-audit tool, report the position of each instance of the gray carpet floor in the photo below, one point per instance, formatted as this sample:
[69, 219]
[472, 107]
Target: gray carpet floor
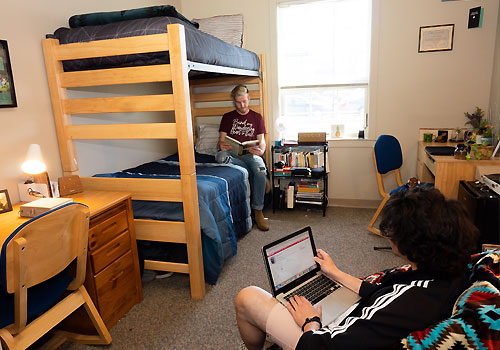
[168, 318]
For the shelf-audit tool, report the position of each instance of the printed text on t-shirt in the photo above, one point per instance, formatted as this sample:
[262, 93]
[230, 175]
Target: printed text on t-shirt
[242, 128]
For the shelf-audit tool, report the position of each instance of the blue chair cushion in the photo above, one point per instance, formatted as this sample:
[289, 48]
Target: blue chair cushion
[388, 154]
[40, 298]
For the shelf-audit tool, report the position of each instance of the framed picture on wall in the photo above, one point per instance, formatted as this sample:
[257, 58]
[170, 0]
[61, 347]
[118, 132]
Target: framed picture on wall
[436, 38]
[5, 204]
[7, 92]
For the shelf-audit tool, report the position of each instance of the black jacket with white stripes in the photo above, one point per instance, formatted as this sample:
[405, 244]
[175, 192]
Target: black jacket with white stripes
[389, 311]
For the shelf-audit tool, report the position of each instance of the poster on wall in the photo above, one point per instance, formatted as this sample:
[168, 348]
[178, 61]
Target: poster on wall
[7, 92]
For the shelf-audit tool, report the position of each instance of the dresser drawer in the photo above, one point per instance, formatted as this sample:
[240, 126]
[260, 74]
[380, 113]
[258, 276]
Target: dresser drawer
[116, 289]
[105, 230]
[110, 251]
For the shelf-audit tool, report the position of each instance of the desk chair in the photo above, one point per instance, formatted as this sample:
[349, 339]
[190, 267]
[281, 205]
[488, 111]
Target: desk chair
[388, 157]
[38, 290]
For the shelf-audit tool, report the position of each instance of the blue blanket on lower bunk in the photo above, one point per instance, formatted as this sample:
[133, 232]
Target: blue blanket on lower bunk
[223, 198]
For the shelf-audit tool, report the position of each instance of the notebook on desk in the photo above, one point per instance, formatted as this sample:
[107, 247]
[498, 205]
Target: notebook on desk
[291, 270]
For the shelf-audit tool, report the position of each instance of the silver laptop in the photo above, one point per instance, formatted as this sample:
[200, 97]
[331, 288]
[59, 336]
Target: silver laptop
[291, 270]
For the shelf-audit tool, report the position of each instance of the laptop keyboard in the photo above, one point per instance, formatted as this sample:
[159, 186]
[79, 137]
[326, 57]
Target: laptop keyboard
[316, 289]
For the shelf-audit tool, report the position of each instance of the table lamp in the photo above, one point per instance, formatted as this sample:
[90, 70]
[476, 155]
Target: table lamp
[35, 166]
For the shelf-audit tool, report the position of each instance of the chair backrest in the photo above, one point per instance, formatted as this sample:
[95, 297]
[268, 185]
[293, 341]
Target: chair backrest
[44, 246]
[388, 154]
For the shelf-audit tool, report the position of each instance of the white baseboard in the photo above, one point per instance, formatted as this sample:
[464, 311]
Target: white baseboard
[353, 203]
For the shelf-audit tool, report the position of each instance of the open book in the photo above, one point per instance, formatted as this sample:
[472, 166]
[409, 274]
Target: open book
[240, 148]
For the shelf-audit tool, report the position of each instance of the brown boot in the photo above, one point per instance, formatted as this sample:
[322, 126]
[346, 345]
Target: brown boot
[260, 220]
[268, 186]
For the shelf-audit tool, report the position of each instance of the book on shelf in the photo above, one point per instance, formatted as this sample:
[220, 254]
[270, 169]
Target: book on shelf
[241, 148]
[290, 196]
[308, 189]
[308, 202]
[300, 158]
[285, 171]
[310, 196]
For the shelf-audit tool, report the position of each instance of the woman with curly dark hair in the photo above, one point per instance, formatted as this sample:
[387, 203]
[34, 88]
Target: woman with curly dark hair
[437, 238]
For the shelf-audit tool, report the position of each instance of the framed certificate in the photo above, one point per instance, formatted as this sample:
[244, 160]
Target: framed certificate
[7, 92]
[436, 38]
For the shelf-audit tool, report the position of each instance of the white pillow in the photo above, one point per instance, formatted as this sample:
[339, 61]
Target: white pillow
[227, 27]
[208, 136]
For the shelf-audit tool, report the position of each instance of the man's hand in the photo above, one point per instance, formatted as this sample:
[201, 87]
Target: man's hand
[301, 308]
[255, 150]
[224, 146]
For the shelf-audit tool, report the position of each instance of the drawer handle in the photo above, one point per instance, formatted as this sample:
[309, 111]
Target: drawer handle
[117, 276]
[112, 250]
[109, 227]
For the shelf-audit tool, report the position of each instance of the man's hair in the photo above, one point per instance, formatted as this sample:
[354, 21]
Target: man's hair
[433, 232]
[239, 90]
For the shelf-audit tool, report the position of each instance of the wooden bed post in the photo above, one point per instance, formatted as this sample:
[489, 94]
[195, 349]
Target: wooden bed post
[184, 126]
[62, 121]
[263, 105]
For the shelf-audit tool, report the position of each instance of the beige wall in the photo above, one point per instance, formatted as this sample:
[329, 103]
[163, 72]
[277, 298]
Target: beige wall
[23, 25]
[410, 90]
[430, 89]
[495, 83]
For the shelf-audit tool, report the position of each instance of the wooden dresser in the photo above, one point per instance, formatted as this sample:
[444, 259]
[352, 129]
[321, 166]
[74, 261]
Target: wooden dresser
[113, 278]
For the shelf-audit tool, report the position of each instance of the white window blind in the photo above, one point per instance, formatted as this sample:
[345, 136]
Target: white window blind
[323, 66]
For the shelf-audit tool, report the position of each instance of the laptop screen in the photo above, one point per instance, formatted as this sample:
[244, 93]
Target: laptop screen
[290, 258]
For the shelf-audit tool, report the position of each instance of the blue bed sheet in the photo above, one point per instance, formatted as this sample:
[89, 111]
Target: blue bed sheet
[223, 197]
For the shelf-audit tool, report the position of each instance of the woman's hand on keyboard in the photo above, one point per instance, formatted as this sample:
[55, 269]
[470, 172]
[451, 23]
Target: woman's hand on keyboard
[331, 271]
[327, 265]
[301, 308]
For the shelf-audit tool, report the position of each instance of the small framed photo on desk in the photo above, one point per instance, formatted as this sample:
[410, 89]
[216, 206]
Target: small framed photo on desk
[5, 204]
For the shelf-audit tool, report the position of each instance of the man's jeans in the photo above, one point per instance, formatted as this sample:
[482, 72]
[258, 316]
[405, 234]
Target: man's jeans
[256, 173]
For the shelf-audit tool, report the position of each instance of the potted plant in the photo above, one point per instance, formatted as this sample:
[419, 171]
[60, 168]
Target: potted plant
[482, 136]
[476, 121]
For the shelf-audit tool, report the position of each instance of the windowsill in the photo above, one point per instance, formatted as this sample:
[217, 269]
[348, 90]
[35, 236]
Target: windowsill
[350, 143]
[347, 139]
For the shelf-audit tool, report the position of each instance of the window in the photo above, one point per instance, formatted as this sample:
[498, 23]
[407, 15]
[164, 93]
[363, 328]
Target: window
[323, 66]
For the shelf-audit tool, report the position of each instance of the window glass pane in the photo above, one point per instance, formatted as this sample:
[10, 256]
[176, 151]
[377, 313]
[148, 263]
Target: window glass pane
[323, 66]
[317, 109]
[324, 42]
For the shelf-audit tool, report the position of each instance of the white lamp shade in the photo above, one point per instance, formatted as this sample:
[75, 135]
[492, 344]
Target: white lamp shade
[33, 163]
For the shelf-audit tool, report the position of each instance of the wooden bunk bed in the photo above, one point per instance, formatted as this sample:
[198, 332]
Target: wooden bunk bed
[181, 102]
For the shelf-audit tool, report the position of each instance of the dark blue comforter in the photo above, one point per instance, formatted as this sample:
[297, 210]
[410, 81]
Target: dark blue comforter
[223, 198]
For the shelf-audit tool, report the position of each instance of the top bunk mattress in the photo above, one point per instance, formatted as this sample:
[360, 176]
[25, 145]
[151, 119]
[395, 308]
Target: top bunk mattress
[200, 47]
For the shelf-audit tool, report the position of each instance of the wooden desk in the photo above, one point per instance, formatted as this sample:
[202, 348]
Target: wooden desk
[446, 171]
[113, 278]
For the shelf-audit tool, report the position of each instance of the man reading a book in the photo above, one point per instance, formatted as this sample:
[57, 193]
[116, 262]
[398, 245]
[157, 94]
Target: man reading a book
[243, 125]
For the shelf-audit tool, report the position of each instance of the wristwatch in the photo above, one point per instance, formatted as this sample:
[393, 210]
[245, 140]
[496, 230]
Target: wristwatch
[312, 319]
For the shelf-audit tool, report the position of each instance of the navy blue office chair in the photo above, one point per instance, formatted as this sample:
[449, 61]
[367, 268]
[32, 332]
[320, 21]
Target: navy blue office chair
[388, 159]
[42, 270]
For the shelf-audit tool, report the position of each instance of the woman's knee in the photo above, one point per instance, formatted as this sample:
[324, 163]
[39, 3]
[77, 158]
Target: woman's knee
[245, 298]
[254, 304]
